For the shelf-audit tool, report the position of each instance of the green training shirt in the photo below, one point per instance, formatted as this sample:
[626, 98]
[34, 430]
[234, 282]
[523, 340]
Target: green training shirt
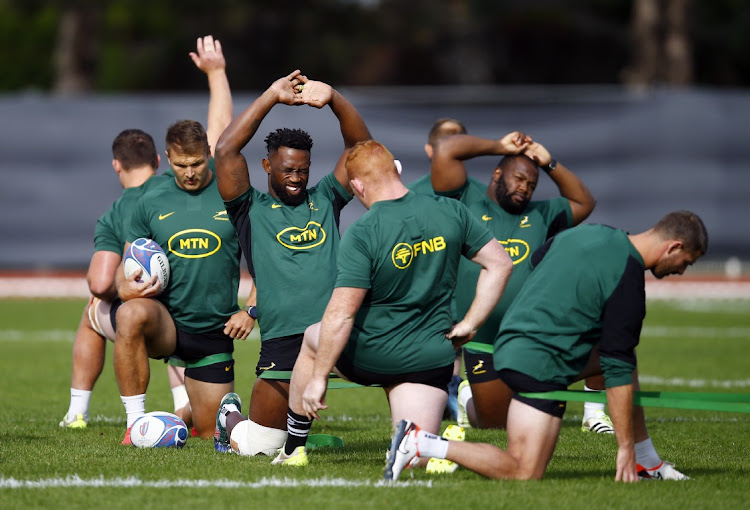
[520, 235]
[113, 226]
[201, 244]
[406, 252]
[588, 289]
[291, 253]
[422, 185]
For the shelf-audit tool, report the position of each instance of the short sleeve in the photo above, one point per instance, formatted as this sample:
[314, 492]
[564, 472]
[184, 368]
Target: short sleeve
[354, 263]
[105, 234]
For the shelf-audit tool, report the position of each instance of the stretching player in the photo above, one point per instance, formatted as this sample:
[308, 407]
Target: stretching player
[521, 226]
[196, 318]
[135, 161]
[579, 313]
[389, 321]
[290, 238]
[441, 128]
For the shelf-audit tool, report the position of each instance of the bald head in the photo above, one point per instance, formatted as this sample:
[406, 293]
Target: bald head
[445, 127]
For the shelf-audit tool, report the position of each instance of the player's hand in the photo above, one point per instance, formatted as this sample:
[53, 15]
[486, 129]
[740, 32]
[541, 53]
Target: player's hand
[626, 471]
[314, 397]
[285, 89]
[538, 154]
[208, 56]
[239, 325]
[461, 333]
[514, 143]
[315, 93]
[132, 288]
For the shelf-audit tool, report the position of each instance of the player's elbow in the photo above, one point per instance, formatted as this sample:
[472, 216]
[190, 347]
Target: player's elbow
[223, 148]
[103, 288]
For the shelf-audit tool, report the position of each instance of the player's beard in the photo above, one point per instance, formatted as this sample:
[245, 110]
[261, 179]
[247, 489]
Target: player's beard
[285, 197]
[506, 202]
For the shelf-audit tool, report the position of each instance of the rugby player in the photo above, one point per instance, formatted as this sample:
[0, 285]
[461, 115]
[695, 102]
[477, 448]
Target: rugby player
[389, 321]
[290, 238]
[579, 313]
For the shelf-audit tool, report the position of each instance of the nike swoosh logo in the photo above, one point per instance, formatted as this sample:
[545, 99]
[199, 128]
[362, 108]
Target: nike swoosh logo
[486, 218]
[227, 369]
[269, 367]
[276, 206]
[162, 216]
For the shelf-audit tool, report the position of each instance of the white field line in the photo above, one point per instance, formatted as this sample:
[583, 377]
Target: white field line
[77, 482]
[683, 382]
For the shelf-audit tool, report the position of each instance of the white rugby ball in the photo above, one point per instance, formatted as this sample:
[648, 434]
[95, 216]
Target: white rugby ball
[159, 429]
[149, 257]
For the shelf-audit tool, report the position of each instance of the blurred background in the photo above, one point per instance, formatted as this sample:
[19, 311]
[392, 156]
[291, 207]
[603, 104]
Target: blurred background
[646, 100]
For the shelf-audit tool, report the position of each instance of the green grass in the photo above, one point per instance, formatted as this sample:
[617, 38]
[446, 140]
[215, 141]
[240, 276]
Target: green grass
[683, 346]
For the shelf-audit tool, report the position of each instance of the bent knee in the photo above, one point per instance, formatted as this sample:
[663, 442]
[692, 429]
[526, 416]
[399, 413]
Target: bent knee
[250, 438]
[135, 312]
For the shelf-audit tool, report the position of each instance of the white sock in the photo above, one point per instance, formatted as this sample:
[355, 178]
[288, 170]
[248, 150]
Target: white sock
[225, 410]
[430, 445]
[646, 455]
[135, 407]
[590, 408]
[79, 404]
[180, 397]
[465, 395]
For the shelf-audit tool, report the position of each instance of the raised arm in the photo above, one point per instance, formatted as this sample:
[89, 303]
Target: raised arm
[210, 59]
[493, 277]
[448, 172]
[581, 200]
[353, 127]
[232, 174]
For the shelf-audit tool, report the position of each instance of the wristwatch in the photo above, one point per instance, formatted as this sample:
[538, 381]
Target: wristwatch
[551, 166]
[252, 311]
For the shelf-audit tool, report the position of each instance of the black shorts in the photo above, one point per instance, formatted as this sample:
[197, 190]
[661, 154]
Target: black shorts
[437, 377]
[479, 367]
[197, 350]
[522, 383]
[116, 303]
[279, 354]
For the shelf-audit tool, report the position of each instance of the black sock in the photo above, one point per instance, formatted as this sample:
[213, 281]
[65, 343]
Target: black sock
[298, 428]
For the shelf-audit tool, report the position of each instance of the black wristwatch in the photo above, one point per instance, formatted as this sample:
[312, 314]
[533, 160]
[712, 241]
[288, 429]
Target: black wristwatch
[552, 165]
[252, 311]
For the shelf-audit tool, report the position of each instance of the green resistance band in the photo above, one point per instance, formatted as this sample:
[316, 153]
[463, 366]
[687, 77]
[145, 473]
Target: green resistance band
[202, 362]
[728, 402]
[476, 346]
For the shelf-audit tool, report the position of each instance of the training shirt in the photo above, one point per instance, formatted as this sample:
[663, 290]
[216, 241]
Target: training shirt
[588, 289]
[406, 252]
[520, 235]
[291, 253]
[422, 185]
[201, 244]
[113, 226]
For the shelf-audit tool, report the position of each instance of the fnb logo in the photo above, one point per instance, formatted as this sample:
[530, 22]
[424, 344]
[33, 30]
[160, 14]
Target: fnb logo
[403, 253]
[517, 249]
[194, 243]
[296, 238]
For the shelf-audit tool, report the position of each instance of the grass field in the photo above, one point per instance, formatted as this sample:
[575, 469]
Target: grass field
[686, 346]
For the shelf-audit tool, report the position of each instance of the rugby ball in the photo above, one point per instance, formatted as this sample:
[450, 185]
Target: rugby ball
[159, 429]
[148, 256]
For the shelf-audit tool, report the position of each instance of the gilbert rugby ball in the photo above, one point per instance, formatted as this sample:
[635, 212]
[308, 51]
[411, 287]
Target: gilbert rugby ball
[148, 256]
[159, 429]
